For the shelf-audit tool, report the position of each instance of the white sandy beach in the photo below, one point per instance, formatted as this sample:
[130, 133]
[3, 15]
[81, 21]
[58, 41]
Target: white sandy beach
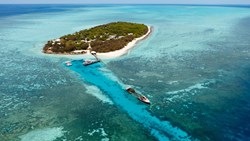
[125, 49]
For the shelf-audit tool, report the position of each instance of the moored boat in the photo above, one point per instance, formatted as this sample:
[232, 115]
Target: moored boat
[130, 90]
[68, 63]
[139, 96]
[89, 62]
[144, 99]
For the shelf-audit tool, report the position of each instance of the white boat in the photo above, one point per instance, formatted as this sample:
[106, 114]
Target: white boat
[144, 99]
[68, 63]
[139, 96]
[89, 62]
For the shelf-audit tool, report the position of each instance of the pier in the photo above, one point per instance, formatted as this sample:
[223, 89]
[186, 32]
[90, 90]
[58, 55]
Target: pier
[89, 62]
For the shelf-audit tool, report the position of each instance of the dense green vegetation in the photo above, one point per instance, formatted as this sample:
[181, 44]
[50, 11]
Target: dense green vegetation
[103, 38]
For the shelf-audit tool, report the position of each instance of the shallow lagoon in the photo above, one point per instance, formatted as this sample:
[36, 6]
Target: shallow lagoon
[194, 68]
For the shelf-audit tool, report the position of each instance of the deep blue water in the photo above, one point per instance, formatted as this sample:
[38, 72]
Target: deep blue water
[11, 10]
[16, 9]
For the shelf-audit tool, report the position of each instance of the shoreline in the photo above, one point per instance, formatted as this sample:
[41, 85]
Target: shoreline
[107, 55]
[125, 49]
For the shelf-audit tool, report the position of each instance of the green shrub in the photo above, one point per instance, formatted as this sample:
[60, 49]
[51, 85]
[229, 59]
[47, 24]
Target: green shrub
[99, 36]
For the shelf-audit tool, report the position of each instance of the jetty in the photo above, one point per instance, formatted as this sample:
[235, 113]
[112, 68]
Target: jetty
[90, 62]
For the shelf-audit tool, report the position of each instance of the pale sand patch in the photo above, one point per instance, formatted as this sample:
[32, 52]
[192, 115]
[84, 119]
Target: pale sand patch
[46, 134]
[95, 91]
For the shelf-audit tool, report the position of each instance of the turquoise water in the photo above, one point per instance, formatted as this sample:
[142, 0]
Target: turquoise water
[194, 68]
[160, 129]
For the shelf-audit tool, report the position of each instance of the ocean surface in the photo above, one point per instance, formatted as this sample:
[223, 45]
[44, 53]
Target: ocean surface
[194, 68]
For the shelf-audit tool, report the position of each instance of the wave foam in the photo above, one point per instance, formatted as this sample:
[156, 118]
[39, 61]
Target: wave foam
[198, 86]
[101, 132]
[178, 94]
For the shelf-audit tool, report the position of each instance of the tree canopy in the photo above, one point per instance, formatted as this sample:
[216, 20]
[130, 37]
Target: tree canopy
[103, 38]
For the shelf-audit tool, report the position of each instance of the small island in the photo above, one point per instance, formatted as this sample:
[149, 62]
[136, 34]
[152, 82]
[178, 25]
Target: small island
[103, 39]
